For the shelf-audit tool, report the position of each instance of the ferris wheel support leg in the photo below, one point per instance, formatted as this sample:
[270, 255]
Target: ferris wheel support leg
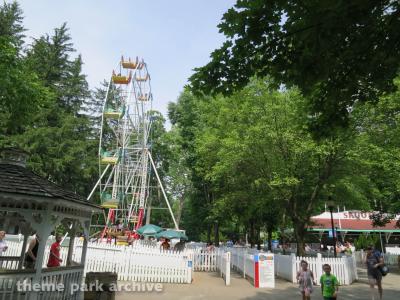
[162, 189]
[97, 183]
[140, 218]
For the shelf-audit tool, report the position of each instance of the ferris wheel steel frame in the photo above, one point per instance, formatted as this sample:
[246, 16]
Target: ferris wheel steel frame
[125, 160]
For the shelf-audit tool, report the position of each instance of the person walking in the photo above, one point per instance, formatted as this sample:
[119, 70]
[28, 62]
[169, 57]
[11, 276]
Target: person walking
[305, 278]
[31, 254]
[373, 262]
[180, 246]
[3, 245]
[329, 284]
[54, 257]
[165, 245]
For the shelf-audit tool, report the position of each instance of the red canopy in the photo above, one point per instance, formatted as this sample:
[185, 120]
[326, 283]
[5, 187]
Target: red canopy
[350, 221]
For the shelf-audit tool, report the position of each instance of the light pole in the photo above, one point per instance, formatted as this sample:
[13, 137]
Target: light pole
[331, 205]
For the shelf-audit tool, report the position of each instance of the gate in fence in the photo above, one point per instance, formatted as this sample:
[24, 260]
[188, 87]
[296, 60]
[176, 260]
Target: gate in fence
[344, 268]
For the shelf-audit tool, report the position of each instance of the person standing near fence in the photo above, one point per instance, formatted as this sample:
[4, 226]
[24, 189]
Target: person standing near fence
[374, 261]
[54, 257]
[305, 277]
[329, 284]
[180, 246]
[3, 245]
[31, 254]
[165, 245]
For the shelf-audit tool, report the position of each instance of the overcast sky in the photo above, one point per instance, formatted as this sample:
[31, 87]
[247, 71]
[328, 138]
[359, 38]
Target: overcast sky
[173, 36]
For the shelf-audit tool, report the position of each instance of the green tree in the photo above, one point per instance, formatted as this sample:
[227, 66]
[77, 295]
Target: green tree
[376, 150]
[21, 93]
[257, 164]
[178, 178]
[60, 137]
[336, 52]
[185, 119]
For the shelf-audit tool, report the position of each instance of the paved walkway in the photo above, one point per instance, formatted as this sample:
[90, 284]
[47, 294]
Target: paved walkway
[210, 286]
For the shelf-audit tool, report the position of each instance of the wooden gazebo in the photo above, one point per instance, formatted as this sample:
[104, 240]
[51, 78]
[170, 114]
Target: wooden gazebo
[34, 204]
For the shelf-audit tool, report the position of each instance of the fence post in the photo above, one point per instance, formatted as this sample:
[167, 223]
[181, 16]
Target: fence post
[294, 273]
[244, 262]
[189, 269]
[346, 270]
[361, 255]
[227, 268]
[355, 266]
[319, 267]
[256, 275]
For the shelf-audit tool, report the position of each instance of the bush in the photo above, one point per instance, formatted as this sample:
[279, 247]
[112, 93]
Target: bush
[365, 240]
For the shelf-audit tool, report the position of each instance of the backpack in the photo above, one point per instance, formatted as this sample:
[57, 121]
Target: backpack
[383, 269]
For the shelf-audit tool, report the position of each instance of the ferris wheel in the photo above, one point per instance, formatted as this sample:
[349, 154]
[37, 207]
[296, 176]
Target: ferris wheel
[125, 161]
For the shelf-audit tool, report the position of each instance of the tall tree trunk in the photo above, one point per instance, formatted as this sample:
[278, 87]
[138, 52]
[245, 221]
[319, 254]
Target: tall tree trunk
[300, 232]
[180, 209]
[208, 233]
[252, 234]
[282, 231]
[269, 231]
[258, 239]
[216, 234]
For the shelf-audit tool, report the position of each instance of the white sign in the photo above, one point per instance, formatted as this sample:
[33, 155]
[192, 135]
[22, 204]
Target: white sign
[267, 272]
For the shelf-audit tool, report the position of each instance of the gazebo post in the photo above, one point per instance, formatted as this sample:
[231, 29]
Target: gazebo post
[71, 232]
[85, 226]
[84, 250]
[22, 257]
[43, 229]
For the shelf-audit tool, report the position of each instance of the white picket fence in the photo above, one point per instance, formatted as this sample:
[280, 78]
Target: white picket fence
[242, 261]
[344, 268]
[203, 260]
[161, 266]
[142, 263]
[391, 259]
[393, 250]
[223, 262]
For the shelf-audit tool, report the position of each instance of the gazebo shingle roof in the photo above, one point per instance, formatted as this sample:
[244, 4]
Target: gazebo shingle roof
[17, 179]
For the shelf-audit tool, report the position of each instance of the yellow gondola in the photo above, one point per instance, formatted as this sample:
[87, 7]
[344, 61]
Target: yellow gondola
[128, 64]
[108, 202]
[122, 240]
[133, 219]
[120, 79]
[142, 78]
[143, 97]
[109, 158]
[111, 113]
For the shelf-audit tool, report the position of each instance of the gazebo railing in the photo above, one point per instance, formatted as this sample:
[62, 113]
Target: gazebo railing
[9, 262]
[54, 283]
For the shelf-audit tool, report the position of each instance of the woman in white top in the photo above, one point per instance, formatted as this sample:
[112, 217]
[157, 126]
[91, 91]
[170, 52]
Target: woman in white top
[3, 246]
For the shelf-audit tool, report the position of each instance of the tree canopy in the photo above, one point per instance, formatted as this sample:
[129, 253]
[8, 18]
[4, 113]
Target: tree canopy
[336, 52]
[255, 167]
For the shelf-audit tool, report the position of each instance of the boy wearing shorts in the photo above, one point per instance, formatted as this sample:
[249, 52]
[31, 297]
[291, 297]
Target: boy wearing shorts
[329, 284]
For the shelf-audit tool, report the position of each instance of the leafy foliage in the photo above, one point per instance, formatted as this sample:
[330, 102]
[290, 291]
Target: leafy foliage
[336, 52]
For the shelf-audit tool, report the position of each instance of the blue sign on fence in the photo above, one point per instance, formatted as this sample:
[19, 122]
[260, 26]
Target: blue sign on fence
[275, 244]
[330, 234]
